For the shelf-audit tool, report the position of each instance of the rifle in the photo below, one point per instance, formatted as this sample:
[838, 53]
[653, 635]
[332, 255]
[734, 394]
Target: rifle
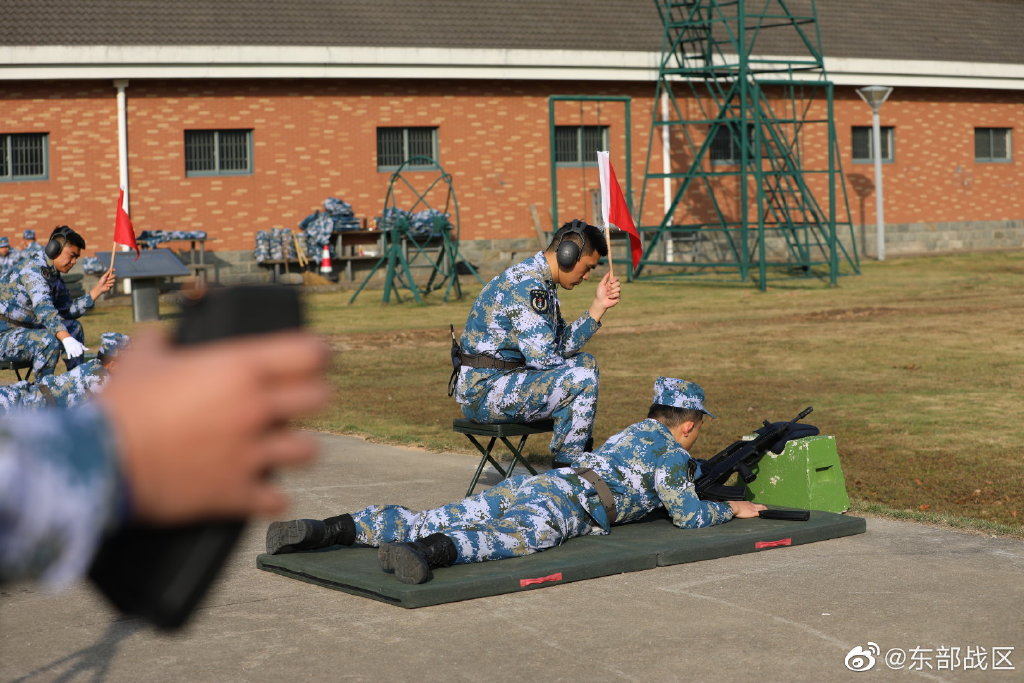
[739, 457]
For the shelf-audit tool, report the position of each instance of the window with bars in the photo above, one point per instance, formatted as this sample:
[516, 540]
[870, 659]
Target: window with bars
[863, 146]
[24, 156]
[992, 144]
[218, 152]
[579, 145]
[395, 146]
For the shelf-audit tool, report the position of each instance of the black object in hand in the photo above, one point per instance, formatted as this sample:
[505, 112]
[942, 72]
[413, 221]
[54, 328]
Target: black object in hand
[789, 515]
[161, 573]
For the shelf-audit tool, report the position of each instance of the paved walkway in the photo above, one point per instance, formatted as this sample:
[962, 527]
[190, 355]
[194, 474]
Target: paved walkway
[789, 614]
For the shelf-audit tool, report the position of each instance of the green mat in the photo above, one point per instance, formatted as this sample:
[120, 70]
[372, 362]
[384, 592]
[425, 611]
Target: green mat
[629, 548]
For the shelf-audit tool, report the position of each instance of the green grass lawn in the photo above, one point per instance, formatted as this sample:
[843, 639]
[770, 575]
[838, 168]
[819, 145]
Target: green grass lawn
[915, 366]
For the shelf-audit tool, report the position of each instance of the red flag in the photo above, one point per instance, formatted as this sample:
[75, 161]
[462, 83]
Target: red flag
[616, 209]
[124, 233]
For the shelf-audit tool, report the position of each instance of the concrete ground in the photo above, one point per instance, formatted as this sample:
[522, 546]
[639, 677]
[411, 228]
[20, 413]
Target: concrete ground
[949, 601]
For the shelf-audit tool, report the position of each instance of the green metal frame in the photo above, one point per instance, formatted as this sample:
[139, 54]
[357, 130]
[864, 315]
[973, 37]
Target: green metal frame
[715, 77]
[627, 103]
[404, 250]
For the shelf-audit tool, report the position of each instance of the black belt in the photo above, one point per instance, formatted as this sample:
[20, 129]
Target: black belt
[604, 494]
[479, 360]
[18, 323]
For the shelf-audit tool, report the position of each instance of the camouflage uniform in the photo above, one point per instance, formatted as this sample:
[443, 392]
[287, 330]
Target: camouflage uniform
[67, 390]
[34, 306]
[32, 252]
[12, 259]
[644, 467]
[59, 490]
[517, 318]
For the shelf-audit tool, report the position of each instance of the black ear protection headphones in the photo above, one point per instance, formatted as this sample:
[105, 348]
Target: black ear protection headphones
[57, 241]
[568, 252]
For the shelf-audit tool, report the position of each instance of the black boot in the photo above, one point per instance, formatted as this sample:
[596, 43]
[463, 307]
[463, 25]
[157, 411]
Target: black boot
[412, 562]
[305, 534]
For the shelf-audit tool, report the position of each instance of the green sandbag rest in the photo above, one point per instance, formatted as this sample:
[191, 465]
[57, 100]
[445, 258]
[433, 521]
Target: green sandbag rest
[629, 548]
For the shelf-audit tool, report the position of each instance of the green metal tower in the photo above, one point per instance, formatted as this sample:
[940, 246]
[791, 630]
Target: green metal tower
[749, 164]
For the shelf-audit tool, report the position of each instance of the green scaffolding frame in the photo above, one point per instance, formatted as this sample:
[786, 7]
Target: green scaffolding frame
[759, 209]
[405, 250]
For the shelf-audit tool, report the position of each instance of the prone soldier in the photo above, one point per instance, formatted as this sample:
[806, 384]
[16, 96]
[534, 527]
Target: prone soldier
[38, 315]
[520, 361]
[644, 467]
[69, 389]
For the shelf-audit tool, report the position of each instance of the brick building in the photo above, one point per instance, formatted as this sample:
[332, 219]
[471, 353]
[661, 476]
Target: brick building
[243, 116]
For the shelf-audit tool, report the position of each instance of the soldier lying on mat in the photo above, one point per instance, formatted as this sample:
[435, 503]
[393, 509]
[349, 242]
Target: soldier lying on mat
[69, 389]
[642, 468]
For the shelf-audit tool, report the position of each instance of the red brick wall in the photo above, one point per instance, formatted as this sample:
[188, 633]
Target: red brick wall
[314, 139]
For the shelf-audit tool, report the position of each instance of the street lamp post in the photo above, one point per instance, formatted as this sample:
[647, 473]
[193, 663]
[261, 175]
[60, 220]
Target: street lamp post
[875, 96]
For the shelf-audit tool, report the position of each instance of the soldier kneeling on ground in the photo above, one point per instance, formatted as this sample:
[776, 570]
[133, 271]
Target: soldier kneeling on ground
[642, 468]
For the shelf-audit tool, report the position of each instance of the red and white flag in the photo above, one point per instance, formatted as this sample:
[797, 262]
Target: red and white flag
[124, 233]
[614, 209]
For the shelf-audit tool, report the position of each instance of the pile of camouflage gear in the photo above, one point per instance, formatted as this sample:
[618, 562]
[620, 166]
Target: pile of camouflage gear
[92, 266]
[276, 244]
[319, 226]
[426, 223]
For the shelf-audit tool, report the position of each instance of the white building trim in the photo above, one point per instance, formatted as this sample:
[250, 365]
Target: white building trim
[57, 62]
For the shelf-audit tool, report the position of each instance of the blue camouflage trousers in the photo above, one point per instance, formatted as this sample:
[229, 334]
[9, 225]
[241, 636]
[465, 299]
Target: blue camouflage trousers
[38, 347]
[521, 515]
[567, 395]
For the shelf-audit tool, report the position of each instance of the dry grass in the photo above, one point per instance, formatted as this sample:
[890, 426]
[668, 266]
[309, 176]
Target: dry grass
[917, 367]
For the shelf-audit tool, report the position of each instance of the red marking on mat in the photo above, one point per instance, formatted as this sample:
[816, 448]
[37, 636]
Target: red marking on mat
[540, 579]
[773, 544]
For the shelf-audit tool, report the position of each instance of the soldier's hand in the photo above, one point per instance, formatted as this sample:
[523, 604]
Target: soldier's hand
[105, 283]
[609, 291]
[744, 509]
[200, 429]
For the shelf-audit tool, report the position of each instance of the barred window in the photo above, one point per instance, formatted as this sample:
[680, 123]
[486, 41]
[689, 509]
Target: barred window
[579, 145]
[992, 144]
[863, 145]
[395, 146]
[726, 146]
[24, 156]
[218, 152]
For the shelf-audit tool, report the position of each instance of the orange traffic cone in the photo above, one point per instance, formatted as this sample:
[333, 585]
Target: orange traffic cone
[325, 262]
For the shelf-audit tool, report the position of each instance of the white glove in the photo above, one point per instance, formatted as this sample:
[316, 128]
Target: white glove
[73, 347]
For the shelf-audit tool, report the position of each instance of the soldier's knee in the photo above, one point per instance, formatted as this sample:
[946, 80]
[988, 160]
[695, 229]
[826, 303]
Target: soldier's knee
[586, 360]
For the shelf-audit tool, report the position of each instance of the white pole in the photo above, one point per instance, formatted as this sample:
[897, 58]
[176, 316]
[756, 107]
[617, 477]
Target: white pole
[122, 158]
[666, 168]
[876, 135]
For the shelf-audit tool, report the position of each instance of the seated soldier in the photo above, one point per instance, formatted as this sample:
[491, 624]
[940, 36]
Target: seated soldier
[69, 389]
[521, 362]
[644, 467]
[38, 315]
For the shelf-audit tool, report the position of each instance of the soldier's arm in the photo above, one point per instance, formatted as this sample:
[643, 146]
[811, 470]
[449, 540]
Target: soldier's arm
[59, 490]
[34, 284]
[680, 499]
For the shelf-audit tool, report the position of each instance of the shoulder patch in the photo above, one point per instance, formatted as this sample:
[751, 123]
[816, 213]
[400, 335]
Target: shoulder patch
[539, 300]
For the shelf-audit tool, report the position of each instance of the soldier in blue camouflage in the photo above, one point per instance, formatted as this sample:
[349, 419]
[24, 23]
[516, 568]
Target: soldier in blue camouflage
[521, 362]
[159, 457]
[70, 389]
[645, 467]
[37, 314]
[9, 258]
[31, 249]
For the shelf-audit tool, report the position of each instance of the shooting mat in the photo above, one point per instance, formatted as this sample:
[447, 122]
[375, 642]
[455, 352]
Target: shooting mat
[629, 548]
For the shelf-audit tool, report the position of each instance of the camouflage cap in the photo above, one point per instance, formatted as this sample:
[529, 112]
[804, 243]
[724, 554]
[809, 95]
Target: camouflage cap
[680, 394]
[4, 242]
[112, 342]
[29, 234]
